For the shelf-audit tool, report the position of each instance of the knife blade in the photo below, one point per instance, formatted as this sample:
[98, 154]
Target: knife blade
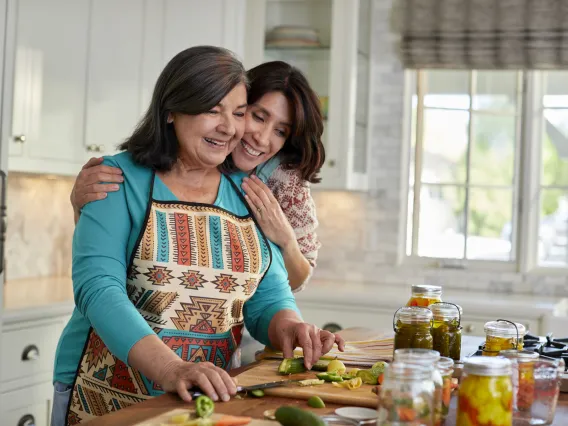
[197, 392]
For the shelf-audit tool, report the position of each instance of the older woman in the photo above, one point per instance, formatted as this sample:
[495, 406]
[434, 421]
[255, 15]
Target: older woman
[282, 146]
[168, 269]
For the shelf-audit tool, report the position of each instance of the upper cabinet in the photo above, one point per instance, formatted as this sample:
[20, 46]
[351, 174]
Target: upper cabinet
[329, 40]
[45, 80]
[80, 73]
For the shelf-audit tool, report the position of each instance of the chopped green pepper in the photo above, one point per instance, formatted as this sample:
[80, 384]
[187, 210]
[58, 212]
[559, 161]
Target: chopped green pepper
[204, 406]
[447, 338]
[329, 377]
[417, 336]
[257, 393]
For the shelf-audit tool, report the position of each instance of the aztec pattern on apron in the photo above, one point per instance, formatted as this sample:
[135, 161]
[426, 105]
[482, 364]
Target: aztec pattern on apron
[192, 270]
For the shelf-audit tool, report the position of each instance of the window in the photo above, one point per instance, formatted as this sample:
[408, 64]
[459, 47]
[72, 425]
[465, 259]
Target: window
[468, 171]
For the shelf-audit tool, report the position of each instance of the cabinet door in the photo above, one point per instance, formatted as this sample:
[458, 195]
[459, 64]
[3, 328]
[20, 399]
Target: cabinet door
[27, 406]
[49, 41]
[188, 23]
[114, 78]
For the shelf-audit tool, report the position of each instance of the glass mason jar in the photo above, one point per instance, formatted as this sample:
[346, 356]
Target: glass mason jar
[429, 359]
[523, 378]
[446, 329]
[406, 396]
[412, 328]
[425, 295]
[501, 335]
[446, 367]
[486, 392]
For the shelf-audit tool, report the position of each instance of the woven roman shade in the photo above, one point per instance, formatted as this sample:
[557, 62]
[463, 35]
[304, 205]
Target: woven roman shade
[482, 34]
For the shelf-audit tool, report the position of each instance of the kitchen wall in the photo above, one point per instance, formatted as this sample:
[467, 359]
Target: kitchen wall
[40, 226]
[360, 232]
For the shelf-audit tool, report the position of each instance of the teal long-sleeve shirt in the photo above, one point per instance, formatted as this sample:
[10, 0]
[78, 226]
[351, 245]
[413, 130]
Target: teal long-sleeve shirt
[103, 243]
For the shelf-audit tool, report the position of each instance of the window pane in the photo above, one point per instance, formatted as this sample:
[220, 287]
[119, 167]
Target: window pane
[409, 221]
[490, 224]
[555, 148]
[447, 89]
[556, 89]
[445, 146]
[441, 222]
[493, 149]
[495, 91]
[553, 229]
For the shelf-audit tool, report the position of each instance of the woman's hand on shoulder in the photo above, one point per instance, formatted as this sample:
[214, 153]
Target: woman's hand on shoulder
[268, 212]
[314, 341]
[88, 185]
[213, 381]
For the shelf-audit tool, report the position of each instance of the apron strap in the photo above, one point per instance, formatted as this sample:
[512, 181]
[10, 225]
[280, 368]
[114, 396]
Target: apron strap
[241, 196]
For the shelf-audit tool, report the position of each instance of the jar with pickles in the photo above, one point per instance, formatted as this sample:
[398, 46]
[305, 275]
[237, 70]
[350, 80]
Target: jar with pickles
[412, 328]
[425, 295]
[426, 358]
[406, 396]
[502, 335]
[486, 393]
[446, 367]
[523, 377]
[446, 329]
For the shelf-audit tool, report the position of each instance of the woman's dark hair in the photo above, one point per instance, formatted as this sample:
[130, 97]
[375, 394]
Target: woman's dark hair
[193, 82]
[303, 151]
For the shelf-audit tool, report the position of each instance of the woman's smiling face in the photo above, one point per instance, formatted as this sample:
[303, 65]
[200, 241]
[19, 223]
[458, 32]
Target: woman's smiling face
[268, 125]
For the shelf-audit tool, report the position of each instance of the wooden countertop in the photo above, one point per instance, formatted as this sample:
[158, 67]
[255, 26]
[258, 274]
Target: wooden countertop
[34, 292]
[255, 408]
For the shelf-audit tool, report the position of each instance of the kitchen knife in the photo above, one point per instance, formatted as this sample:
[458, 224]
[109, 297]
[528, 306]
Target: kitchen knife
[278, 383]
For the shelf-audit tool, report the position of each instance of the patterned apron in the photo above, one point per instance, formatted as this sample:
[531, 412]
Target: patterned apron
[193, 267]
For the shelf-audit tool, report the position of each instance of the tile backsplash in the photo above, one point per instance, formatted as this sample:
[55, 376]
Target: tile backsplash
[40, 226]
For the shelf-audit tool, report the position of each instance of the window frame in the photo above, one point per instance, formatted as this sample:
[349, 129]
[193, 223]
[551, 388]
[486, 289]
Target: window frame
[526, 182]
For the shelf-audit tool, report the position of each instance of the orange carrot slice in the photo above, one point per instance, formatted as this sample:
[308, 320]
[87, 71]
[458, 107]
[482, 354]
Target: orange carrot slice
[227, 420]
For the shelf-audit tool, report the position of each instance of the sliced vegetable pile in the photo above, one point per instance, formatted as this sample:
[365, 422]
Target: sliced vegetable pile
[204, 408]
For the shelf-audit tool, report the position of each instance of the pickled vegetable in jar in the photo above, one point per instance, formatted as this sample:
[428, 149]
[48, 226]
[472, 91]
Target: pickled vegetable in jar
[446, 367]
[486, 393]
[412, 328]
[502, 335]
[406, 396]
[429, 359]
[425, 295]
[446, 329]
[523, 377]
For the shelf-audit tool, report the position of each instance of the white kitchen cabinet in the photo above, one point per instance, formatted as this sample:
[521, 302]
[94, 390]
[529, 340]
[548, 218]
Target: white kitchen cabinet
[114, 81]
[338, 69]
[45, 80]
[28, 406]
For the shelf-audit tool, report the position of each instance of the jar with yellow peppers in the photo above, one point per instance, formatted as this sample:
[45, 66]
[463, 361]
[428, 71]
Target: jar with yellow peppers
[486, 393]
[502, 335]
[446, 329]
[406, 396]
[425, 295]
[412, 328]
[523, 377]
[446, 367]
[429, 359]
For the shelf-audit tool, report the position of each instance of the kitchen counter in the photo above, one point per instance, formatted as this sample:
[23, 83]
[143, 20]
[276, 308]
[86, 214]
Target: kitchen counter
[33, 298]
[255, 407]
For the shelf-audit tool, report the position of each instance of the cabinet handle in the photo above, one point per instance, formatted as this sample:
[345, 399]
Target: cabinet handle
[31, 353]
[92, 148]
[20, 138]
[100, 148]
[27, 420]
[469, 328]
[331, 163]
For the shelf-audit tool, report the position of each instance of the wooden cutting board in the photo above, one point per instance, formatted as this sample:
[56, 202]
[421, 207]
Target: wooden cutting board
[267, 371]
[164, 419]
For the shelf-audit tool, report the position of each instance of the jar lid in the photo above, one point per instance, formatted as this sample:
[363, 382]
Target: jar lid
[445, 311]
[417, 356]
[410, 314]
[432, 290]
[487, 366]
[504, 328]
[408, 371]
[520, 356]
[445, 363]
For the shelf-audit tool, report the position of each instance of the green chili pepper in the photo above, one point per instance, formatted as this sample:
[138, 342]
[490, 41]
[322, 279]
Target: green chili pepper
[204, 406]
[257, 393]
